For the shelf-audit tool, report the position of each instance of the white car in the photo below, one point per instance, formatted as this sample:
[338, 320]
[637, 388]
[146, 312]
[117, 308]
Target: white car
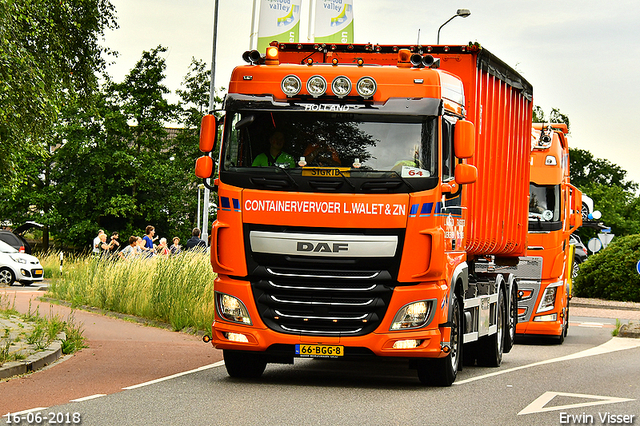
[20, 267]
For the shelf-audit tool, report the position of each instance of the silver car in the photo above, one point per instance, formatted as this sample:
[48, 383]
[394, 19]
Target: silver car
[18, 267]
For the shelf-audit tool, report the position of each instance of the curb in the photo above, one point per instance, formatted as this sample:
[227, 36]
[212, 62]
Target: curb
[33, 362]
[630, 330]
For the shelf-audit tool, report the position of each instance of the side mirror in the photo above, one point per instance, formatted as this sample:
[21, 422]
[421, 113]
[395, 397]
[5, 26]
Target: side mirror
[465, 174]
[208, 133]
[464, 139]
[204, 167]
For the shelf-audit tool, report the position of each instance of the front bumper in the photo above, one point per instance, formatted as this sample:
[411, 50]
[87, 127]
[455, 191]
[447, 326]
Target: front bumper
[379, 343]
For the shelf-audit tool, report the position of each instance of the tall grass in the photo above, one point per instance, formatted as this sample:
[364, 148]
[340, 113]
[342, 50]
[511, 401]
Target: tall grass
[177, 290]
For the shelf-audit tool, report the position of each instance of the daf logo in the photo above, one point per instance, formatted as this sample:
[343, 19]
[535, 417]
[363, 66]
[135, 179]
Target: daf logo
[322, 247]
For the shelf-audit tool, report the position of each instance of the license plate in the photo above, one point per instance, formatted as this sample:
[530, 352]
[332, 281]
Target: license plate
[326, 172]
[38, 272]
[319, 351]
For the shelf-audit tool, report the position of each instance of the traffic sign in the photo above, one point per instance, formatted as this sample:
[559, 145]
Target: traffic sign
[606, 238]
[595, 245]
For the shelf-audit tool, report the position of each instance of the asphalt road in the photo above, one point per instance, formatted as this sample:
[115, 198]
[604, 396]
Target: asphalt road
[591, 374]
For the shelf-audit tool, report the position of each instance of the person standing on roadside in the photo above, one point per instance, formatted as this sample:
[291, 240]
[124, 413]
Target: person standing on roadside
[104, 247]
[95, 247]
[175, 248]
[114, 242]
[131, 250]
[148, 239]
[195, 241]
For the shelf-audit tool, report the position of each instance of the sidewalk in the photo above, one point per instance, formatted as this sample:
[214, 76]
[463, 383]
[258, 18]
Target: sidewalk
[120, 353]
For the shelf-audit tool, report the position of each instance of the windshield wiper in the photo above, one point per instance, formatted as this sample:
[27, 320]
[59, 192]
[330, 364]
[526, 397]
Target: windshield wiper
[291, 179]
[406, 182]
[346, 179]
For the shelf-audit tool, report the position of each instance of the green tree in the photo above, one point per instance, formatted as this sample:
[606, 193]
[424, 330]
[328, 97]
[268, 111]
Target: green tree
[49, 54]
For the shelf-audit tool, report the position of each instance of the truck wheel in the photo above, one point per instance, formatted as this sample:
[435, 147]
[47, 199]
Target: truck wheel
[6, 276]
[565, 328]
[490, 348]
[511, 321]
[443, 371]
[244, 365]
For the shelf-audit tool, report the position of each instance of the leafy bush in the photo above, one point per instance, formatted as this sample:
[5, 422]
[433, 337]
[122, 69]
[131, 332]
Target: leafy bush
[611, 274]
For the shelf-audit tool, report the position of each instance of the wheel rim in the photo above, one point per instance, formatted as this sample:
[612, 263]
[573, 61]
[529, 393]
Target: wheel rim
[575, 270]
[455, 335]
[500, 323]
[5, 276]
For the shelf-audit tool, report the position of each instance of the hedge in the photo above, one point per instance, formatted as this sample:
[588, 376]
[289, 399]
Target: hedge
[611, 274]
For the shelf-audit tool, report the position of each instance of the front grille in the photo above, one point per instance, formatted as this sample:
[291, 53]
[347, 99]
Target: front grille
[321, 307]
[321, 296]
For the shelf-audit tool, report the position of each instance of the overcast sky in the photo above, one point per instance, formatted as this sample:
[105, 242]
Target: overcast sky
[581, 57]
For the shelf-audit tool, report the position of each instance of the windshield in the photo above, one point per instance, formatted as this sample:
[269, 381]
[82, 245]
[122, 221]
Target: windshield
[360, 145]
[6, 248]
[544, 203]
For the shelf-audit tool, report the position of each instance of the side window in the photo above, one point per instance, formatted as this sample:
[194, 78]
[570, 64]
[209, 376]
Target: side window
[238, 143]
[448, 159]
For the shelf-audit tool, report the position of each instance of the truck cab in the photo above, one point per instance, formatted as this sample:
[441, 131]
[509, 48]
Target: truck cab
[554, 214]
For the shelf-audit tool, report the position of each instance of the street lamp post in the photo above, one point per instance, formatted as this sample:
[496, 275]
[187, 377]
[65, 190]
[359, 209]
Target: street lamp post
[212, 97]
[460, 12]
[200, 187]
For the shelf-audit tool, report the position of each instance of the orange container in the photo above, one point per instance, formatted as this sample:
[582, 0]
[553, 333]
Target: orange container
[499, 103]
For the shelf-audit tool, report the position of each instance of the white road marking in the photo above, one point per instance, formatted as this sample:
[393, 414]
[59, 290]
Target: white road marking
[538, 406]
[613, 345]
[206, 367]
[87, 398]
[19, 413]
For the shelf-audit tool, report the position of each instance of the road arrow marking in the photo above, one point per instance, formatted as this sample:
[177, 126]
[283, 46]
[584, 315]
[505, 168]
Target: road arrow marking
[538, 406]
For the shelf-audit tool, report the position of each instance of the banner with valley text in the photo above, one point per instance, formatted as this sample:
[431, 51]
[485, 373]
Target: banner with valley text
[279, 20]
[334, 21]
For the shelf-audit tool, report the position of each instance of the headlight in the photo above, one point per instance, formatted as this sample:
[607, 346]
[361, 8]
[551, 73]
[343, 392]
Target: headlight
[18, 260]
[232, 309]
[366, 87]
[291, 85]
[548, 300]
[413, 315]
[546, 318]
[341, 86]
[317, 86]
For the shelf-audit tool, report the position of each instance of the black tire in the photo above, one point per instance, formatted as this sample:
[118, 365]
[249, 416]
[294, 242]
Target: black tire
[244, 365]
[443, 371]
[490, 348]
[511, 321]
[565, 327]
[7, 276]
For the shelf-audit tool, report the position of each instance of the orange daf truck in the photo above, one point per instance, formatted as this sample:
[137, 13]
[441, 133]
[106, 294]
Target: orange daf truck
[544, 275]
[359, 185]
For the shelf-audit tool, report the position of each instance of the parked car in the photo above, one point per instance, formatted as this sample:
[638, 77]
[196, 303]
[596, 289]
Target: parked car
[580, 254]
[15, 239]
[18, 267]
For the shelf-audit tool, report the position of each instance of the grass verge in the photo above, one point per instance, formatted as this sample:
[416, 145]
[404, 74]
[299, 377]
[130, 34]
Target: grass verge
[177, 290]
